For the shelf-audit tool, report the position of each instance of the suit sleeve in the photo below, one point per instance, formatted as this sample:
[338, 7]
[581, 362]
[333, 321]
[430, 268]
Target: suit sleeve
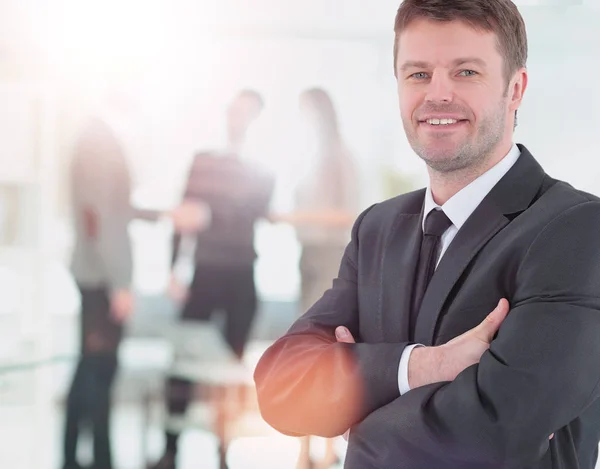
[309, 384]
[540, 373]
[190, 191]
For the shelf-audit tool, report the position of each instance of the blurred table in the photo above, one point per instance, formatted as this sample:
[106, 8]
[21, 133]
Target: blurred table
[199, 354]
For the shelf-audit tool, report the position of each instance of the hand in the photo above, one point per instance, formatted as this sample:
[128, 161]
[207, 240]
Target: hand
[121, 305]
[177, 290]
[273, 217]
[343, 335]
[280, 218]
[190, 217]
[429, 365]
[467, 349]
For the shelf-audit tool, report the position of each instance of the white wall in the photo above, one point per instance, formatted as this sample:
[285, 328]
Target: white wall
[213, 48]
[561, 112]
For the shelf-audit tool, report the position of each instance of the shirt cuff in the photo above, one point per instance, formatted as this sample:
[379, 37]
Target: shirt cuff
[403, 368]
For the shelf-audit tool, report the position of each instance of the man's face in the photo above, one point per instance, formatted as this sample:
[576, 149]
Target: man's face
[455, 104]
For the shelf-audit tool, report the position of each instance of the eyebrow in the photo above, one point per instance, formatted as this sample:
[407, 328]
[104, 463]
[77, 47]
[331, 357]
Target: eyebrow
[455, 63]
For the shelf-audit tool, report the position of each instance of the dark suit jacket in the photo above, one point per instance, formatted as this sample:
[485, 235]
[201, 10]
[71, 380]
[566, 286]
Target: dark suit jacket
[533, 240]
[238, 193]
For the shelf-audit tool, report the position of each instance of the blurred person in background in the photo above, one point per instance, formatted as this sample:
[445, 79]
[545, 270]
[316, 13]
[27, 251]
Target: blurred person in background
[326, 205]
[225, 195]
[100, 183]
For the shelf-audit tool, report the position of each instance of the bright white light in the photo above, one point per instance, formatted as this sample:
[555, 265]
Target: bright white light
[263, 452]
[97, 43]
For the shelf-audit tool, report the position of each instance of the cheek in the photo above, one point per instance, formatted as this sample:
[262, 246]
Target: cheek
[480, 111]
[408, 105]
[405, 114]
[478, 101]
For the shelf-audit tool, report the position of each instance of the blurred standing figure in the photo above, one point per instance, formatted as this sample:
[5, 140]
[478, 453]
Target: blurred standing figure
[224, 197]
[102, 268]
[326, 205]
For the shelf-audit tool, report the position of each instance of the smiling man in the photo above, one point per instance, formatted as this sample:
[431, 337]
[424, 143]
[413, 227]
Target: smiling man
[414, 349]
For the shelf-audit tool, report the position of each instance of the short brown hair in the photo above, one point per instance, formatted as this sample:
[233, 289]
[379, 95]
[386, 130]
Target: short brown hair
[499, 16]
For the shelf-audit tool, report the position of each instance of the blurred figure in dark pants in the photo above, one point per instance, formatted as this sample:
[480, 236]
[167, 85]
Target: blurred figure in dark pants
[102, 268]
[224, 197]
[326, 205]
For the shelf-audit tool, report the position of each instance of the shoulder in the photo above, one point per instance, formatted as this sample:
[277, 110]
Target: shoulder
[379, 218]
[410, 203]
[204, 157]
[566, 203]
[564, 191]
[573, 230]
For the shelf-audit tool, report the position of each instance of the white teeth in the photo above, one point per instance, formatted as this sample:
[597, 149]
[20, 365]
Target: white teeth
[441, 121]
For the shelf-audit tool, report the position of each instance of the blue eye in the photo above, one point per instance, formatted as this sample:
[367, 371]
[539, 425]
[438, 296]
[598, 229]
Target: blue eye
[419, 75]
[468, 73]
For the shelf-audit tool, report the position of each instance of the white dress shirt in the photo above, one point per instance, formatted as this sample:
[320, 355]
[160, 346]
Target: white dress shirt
[458, 209]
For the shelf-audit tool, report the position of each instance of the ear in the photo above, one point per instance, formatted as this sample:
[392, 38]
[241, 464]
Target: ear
[517, 87]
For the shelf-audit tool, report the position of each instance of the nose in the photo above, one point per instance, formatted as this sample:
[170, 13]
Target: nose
[440, 89]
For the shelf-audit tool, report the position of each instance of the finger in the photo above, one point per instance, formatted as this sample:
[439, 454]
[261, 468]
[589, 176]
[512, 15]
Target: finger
[551, 436]
[490, 325]
[342, 334]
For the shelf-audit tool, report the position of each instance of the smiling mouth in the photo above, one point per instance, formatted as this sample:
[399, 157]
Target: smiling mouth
[442, 122]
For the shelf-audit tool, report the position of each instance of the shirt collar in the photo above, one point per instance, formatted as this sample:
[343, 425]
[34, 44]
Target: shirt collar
[460, 206]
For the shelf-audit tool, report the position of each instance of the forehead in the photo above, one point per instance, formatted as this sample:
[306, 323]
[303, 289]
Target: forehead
[439, 42]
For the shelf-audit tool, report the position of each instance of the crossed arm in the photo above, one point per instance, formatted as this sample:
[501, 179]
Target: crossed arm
[538, 375]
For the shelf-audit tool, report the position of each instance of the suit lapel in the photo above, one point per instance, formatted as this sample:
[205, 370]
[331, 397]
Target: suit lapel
[513, 193]
[399, 262]
[485, 222]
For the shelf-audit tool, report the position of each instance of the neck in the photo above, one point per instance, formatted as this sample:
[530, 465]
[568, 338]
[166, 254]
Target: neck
[235, 141]
[445, 185]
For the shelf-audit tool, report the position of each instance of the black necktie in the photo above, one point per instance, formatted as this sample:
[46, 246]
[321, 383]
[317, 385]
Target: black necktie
[436, 225]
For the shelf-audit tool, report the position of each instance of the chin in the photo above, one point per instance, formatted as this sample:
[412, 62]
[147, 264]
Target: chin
[447, 166]
[439, 153]
[443, 160]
